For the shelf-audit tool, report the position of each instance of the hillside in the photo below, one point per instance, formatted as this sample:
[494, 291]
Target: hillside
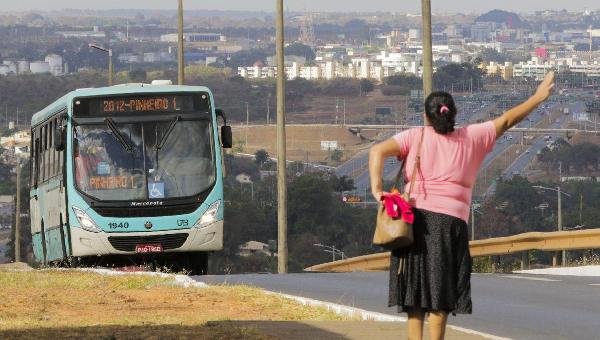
[512, 20]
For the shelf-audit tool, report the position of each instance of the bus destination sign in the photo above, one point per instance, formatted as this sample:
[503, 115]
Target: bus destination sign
[128, 105]
[152, 104]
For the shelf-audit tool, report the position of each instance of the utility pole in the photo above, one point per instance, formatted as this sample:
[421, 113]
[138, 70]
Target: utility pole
[268, 109]
[180, 74]
[110, 63]
[427, 52]
[110, 67]
[282, 248]
[18, 216]
[472, 222]
[344, 112]
[247, 123]
[560, 226]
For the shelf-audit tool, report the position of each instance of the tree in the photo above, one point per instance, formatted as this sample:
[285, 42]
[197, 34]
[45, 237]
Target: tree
[261, 157]
[460, 76]
[137, 75]
[366, 86]
[490, 54]
[336, 155]
[300, 50]
[341, 184]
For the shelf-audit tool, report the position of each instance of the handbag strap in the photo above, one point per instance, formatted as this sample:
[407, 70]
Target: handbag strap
[417, 166]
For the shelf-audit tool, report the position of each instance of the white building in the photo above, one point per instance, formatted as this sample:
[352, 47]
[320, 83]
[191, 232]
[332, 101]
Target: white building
[194, 37]
[55, 62]
[39, 67]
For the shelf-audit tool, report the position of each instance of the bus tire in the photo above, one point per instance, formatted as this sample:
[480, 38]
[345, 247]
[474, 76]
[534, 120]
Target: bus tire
[198, 264]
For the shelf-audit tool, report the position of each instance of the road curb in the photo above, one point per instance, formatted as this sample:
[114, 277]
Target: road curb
[184, 281]
[366, 315]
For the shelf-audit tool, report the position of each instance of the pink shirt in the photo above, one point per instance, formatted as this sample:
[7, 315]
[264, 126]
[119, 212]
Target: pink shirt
[449, 166]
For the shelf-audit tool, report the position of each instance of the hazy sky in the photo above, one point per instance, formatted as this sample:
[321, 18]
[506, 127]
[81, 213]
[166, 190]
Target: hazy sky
[413, 6]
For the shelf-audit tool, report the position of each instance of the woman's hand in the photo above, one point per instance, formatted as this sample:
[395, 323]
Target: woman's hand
[545, 88]
[379, 194]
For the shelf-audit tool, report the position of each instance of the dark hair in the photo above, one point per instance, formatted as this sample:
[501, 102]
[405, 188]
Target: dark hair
[442, 120]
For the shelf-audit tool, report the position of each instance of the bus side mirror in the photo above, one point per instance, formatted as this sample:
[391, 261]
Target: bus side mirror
[75, 147]
[59, 138]
[226, 135]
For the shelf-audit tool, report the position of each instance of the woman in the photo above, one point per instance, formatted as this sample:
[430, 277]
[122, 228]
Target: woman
[436, 278]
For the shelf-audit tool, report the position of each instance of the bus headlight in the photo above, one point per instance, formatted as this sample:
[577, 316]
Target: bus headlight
[85, 221]
[210, 216]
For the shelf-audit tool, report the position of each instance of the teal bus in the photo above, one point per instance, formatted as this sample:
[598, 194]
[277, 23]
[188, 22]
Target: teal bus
[130, 171]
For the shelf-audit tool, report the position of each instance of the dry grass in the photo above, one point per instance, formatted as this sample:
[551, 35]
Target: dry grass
[72, 303]
[303, 143]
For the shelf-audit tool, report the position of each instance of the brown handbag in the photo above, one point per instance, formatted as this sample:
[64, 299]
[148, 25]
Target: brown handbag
[393, 233]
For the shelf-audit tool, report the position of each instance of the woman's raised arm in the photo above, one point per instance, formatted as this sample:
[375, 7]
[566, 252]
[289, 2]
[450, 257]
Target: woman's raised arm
[513, 116]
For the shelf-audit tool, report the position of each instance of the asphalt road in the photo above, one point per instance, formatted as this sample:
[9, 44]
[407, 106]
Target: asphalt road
[507, 305]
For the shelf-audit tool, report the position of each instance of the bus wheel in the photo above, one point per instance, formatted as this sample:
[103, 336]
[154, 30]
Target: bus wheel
[74, 262]
[198, 264]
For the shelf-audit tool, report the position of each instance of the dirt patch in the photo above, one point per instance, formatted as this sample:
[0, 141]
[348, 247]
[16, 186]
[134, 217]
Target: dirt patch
[16, 266]
[71, 304]
[303, 143]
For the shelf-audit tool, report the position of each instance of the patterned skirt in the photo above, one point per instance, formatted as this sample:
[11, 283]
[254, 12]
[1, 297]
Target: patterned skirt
[435, 272]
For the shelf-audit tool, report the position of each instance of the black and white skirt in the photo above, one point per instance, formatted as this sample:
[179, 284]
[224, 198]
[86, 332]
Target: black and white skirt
[433, 274]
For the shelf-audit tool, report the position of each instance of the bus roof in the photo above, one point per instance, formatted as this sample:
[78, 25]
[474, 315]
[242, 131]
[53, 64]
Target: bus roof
[62, 102]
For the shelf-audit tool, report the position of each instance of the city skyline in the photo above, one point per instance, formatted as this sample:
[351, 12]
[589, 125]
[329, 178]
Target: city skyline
[459, 6]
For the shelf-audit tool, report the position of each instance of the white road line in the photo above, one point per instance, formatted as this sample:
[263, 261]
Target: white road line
[594, 284]
[529, 278]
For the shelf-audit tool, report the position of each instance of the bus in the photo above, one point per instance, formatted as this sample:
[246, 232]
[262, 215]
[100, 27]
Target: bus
[130, 171]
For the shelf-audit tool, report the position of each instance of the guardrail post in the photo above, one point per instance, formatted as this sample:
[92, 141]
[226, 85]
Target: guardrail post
[525, 260]
[554, 259]
[493, 264]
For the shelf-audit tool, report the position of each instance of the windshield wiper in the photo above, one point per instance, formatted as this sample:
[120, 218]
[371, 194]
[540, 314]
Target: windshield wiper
[118, 136]
[164, 138]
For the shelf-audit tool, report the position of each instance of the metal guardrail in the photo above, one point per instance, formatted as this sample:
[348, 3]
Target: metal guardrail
[404, 127]
[548, 241]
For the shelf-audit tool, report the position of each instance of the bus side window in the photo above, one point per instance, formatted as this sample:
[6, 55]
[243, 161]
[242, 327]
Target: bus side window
[57, 154]
[37, 156]
[50, 150]
[33, 161]
[42, 153]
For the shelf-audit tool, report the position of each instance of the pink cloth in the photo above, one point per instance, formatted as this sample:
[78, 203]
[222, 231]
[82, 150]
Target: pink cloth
[449, 166]
[396, 206]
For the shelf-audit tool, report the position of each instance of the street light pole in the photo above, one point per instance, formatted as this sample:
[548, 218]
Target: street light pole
[110, 63]
[560, 226]
[18, 216]
[559, 219]
[180, 73]
[472, 222]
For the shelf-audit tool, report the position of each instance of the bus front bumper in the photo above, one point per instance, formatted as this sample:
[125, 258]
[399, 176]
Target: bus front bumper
[85, 243]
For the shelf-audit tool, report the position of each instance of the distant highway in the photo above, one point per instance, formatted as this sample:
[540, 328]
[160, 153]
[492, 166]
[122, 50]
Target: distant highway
[507, 305]
[520, 163]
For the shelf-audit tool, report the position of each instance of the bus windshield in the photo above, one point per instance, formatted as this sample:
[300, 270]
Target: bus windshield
[143, 161]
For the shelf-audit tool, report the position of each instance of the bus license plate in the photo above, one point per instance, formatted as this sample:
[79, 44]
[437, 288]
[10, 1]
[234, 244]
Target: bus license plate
[148, 248]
